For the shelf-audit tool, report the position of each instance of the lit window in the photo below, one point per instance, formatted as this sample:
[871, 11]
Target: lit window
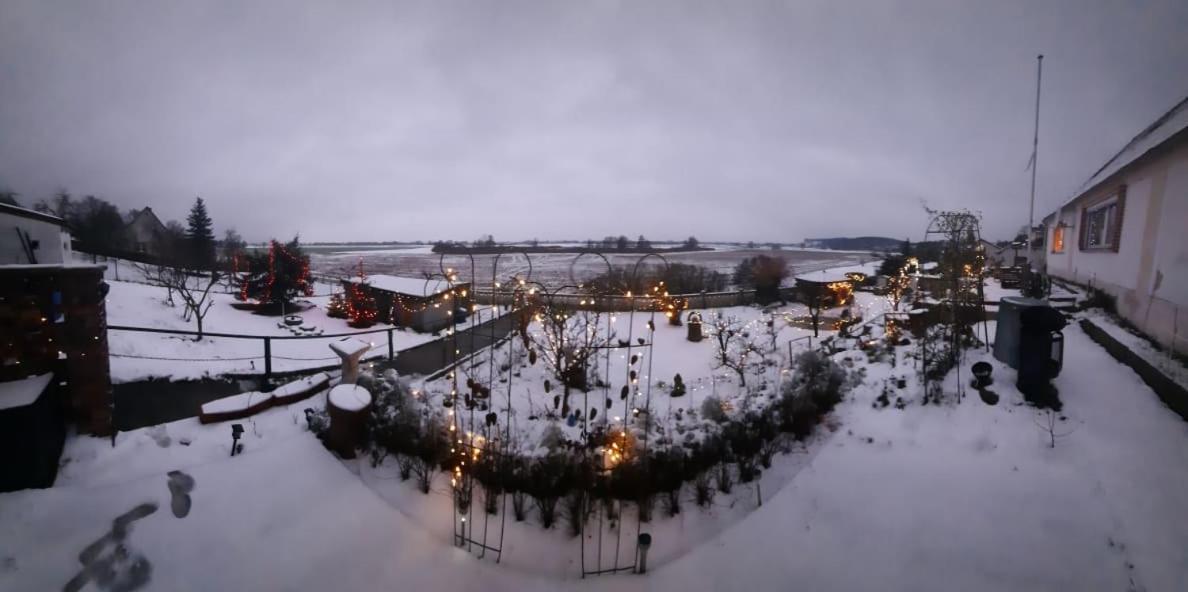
[1058, 239]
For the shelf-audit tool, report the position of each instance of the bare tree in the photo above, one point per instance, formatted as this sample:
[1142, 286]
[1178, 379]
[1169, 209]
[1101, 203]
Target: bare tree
[193, 289]
[815, 295]
[1048, 423]
[735, 346]
[567, 342]
[897, 287]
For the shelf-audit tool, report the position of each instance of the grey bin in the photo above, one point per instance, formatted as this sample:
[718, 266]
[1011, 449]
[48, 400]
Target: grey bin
[1010, 327]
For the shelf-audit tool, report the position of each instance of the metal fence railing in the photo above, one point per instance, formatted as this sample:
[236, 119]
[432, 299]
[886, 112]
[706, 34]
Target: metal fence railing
[423, 358]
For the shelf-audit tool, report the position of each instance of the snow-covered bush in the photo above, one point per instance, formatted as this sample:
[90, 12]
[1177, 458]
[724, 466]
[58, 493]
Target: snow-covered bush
[394, 420]
[816, 386]
[552, 439]
[711, 409]
[548, 481]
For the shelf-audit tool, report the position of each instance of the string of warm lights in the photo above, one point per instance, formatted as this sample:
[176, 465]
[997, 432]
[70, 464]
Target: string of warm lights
[360, 307]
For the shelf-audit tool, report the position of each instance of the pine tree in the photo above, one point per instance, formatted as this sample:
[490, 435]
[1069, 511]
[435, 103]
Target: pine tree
[361, 309]
[200, 236]
[337, 308]
[278, 276]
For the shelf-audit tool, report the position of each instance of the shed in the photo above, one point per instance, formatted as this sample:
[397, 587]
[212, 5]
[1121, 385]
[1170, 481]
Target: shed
[837, 284]
[420, 304]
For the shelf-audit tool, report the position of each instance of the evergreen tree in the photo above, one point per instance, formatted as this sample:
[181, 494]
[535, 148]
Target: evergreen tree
[9, 197]
[279, 275]
[200, 236]
[96, 223]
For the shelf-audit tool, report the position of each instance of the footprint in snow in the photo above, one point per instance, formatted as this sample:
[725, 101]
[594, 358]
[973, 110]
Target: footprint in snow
[109, 562]
[180, 485]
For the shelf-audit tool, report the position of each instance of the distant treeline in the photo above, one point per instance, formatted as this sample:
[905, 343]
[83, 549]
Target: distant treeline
[859, 243]
[486, 245]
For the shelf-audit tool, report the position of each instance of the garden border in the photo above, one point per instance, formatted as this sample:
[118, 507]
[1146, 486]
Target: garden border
[1172, 394]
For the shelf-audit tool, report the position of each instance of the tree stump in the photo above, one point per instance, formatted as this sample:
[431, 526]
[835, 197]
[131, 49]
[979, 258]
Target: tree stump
[347, 406]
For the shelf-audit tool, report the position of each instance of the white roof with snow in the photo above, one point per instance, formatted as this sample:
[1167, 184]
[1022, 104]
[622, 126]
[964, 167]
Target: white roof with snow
[824, 276]
[1160, 131]
[19, 393]
[405, 285]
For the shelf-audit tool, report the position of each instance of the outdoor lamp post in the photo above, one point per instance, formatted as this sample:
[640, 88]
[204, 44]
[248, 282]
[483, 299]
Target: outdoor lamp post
[236, 432]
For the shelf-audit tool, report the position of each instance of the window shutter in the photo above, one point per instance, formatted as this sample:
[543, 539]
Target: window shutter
[1116, 231]
[1082, 236]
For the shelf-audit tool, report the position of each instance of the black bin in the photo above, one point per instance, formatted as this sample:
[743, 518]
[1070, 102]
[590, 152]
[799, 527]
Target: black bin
[1041, 350]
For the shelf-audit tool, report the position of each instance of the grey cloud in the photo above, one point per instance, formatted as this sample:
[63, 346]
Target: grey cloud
[728, 120]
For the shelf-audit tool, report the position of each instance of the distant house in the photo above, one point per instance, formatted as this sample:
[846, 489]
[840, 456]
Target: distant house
[1123, 232]
[995, 255]
[145, 233]
[417, 303]
[29, 237]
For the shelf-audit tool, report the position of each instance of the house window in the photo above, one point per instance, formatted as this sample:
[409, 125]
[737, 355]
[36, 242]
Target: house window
[1058, 239]
[1099, 225]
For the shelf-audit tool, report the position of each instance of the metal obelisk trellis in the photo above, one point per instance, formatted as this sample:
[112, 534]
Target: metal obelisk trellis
[468, 444]
[617, 563]
[960, 234]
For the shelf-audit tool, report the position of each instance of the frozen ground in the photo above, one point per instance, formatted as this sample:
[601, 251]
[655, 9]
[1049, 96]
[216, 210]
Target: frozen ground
[955, 497]
[136, 356]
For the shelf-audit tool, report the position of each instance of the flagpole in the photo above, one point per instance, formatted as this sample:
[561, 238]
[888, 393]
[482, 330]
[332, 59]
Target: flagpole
[1034, 156]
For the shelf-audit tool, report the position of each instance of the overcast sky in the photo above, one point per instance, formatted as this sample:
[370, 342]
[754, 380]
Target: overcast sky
[727, 120]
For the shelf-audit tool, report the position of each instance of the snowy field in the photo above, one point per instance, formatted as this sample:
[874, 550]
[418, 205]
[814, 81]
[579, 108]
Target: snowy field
[956, 497]
[559, 268]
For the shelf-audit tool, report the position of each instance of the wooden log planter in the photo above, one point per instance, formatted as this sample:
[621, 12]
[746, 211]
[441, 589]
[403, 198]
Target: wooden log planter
[248, 404]
[347, 405]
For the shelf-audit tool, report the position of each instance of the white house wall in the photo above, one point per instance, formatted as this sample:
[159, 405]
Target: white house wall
[53, 243]
[1149, 274]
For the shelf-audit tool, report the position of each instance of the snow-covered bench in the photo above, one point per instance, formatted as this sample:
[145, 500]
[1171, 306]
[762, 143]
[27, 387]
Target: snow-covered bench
[248, 404]
[300, 389]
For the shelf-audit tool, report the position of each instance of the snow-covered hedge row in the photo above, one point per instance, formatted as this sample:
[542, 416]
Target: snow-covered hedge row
[576, 473]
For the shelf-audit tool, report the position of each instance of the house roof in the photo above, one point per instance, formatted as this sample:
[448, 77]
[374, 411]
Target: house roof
[405, 285]
[823, 277]
[149, 211]
[1160, 131]
[30, 214]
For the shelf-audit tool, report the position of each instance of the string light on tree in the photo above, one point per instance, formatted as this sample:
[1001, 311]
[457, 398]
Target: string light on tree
[361, 309]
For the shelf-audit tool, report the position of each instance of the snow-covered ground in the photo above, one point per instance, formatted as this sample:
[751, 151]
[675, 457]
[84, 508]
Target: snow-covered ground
[1160, 358]
[953, 497]
[137, 355]
[677, 418]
